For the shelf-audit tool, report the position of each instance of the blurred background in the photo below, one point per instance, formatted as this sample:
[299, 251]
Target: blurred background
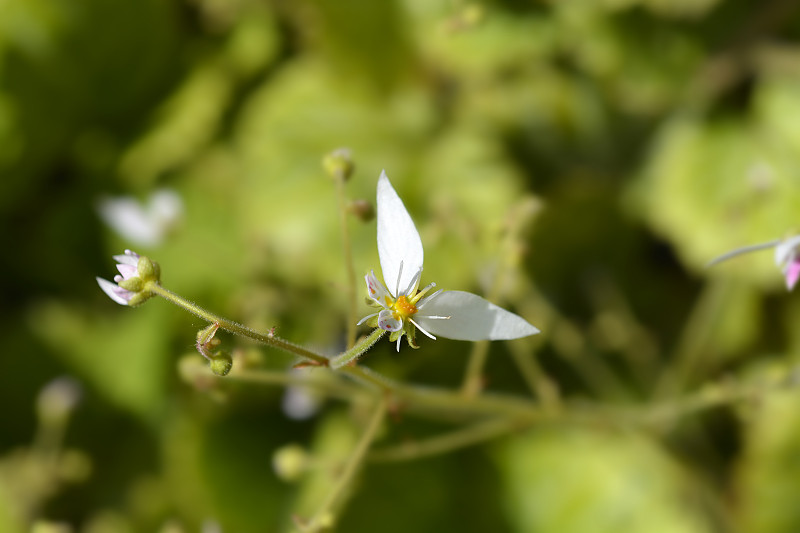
[577, 162]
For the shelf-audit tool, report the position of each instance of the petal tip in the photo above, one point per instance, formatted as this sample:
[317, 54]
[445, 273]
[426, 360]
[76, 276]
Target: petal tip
[112, 290]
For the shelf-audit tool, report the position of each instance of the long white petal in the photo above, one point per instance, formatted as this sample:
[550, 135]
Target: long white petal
[127, 271]
[472, 318]
[128, 258]
[398, 239]
[113, 291]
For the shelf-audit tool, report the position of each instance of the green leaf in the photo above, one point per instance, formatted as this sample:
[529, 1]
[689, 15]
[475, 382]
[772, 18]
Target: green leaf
[580, 481]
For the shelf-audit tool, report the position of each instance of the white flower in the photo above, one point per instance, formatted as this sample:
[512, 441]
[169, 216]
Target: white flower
[129, 285]
[300, 401]
[145, 225]
[787, 257]
[405, 308]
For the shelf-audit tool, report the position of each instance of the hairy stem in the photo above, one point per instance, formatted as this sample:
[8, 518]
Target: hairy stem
[358, 350]
[448, 442]
[267, 338]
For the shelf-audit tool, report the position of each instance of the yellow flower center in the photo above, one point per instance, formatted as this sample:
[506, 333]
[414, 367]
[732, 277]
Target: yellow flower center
[402, 308]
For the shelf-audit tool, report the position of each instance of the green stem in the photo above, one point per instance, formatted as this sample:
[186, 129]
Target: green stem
[517, 220]
[428, 401]
[327, 384]
[433, 401]
[538, 382]
[695, 340]
[473, 377]
[325, 513]
[269, 339]
[347, 250]
[358, 350]
[451, 441]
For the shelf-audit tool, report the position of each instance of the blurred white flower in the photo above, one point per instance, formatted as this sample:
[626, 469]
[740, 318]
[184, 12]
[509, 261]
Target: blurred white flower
[58, 398]
[455, 315]
[144, 225]
[299, 401]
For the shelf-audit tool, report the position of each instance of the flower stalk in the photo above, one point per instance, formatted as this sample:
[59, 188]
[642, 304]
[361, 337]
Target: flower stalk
[270, 339]
[324, 516]
[352, 355]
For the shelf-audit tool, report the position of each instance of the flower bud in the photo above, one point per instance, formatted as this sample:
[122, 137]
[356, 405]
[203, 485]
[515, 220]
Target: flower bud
[290, 461]
[58, 399]
[339, 164]
[362, 209]
[206, 335]
[139, 298]
[221, 363]
[148, 270]
[132, 284]
[45, 526]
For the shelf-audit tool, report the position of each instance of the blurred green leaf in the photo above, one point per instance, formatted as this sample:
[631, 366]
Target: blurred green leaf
[768, 476]
[101, 350]
[577, 480]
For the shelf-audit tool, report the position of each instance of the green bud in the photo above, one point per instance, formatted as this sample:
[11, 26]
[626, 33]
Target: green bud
[221, 363]
[290, 461]
[339, 164]
[57, 400]
[148, 270]
[43, 526]
[206, 334]
[473, 14]
[326, 521]
[362, 209]
[132, 284]
[139, 298]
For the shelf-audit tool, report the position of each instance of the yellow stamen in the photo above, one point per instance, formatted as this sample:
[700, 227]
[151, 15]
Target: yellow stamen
[417, 297]
[402, 308]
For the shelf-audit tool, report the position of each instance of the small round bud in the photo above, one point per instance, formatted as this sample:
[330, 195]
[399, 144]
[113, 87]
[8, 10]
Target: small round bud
[44, 526]
[148, 270]
[132, 284]
[473, 14]
[139, 298]
[221, 364]
[339, 164]
[290, 461]
[58, 399]
[362, 209]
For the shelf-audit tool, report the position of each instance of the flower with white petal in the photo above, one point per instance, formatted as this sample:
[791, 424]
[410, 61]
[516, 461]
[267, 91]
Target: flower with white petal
[300, 401]
[405, 308]
[787, 257]
[143, 224]
[130, 285]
